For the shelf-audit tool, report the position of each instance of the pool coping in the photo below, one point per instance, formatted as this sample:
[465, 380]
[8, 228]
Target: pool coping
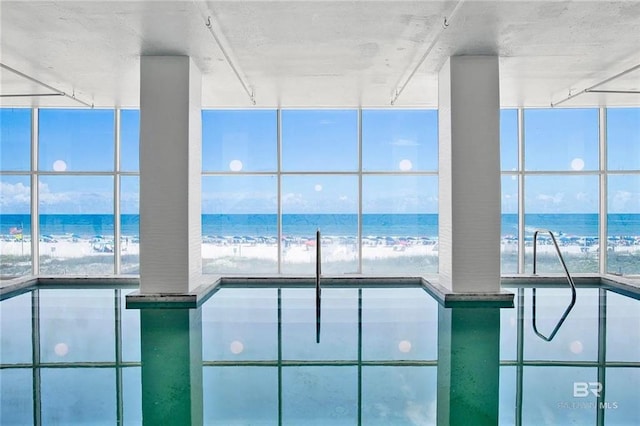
[211, 283]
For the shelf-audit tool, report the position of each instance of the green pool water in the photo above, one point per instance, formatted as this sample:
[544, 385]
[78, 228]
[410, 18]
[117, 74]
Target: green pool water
[387, 356]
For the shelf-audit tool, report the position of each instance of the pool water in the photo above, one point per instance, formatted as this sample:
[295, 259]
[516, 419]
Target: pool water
[386, 356]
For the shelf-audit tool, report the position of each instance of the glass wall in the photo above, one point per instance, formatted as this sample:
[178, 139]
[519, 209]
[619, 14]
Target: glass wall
[623, 191]
[368, 179]
[129, 174]
[75, 191]
[239, 191]
[315, 141]
[78, 189]
[510, 166]
[15, 192]
[400, 192]
[561, 187]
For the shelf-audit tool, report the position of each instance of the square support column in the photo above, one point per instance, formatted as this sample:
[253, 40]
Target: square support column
[469, 174]
[170, 175]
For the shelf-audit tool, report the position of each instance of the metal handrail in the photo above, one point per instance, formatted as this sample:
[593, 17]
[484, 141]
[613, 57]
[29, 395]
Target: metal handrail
[571, 283]
[318, 289]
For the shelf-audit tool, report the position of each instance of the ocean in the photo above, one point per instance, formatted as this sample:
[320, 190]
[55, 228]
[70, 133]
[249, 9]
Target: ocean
[304, 225]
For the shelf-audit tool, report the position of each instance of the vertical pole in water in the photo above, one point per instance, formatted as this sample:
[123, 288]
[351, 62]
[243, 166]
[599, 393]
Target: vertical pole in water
[318, 272]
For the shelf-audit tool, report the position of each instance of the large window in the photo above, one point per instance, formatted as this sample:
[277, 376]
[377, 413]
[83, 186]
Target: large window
[510, 166]
[129, 175]
[15, 192]
[562, 170]
[561, 160]
[67, 170]
[76, 163]
[368, 179]
[623, 191]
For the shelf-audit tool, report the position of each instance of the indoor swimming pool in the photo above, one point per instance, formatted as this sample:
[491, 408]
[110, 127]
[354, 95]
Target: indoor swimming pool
[386, 356]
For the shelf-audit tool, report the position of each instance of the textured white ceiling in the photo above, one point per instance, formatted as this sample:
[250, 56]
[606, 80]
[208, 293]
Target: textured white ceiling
[320, 53]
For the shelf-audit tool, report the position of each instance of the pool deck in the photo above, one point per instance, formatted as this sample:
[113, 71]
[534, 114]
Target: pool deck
[210, 284]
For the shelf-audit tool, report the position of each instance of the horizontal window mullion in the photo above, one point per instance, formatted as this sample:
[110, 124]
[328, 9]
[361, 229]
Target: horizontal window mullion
[312, 172]
[109, 173]
[554, 172]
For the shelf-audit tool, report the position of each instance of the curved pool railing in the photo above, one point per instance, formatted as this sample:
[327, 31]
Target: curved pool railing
[569, 279]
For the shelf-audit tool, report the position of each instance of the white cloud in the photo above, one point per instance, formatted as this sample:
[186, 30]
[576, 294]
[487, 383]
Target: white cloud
[46, 197]
[291, 197]
[555, 199]
[404, 142]
[622, 196]
[625, 202]
[582, 196]
[14, 194]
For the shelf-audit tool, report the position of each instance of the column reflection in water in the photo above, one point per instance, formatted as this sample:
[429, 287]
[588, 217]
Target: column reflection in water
[468, 366]
[171, 355]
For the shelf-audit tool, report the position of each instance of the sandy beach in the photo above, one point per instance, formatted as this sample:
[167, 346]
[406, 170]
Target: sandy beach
[296, 252]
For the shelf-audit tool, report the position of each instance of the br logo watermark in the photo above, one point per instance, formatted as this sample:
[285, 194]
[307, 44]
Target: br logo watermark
[585, 390]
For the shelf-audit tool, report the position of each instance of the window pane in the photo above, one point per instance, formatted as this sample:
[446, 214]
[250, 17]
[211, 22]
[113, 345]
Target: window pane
[130, 140]
[15, 225]
[509, 243]
[399, 140]
[325, 202]
[509, 139]
[130, 224]
[323, 140]
[623, 138]
[400, 224]
[568, 206]
[77, 325]
[15, 139]
[76, 225]
[76, 140]
[15, 330]
[561, 139]
[239, 224]
[623, 224]
[239, 140]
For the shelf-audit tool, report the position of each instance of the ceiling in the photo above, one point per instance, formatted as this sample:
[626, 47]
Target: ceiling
[319, 53]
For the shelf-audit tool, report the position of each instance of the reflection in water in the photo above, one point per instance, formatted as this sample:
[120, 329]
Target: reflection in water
[468, 366]
[387, 357]
[171, 349]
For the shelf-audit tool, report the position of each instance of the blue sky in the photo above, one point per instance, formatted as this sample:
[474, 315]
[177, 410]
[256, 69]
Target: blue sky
[394, 140]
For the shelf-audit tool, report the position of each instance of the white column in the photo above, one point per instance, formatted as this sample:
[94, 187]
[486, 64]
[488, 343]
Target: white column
[170, 175]
[469, 174]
